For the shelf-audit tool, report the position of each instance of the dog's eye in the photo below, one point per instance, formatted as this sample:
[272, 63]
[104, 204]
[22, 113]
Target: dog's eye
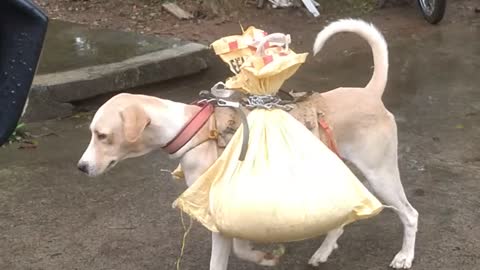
[101, 136]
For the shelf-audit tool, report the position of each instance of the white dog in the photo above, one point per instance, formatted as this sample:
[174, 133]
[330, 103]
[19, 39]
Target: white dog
[365, 131]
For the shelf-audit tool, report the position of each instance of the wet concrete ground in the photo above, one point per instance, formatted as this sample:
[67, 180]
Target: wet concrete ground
[52, 217]
[70, 46]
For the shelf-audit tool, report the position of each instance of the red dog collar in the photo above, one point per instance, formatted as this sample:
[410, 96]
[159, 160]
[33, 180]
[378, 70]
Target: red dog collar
[190, 129]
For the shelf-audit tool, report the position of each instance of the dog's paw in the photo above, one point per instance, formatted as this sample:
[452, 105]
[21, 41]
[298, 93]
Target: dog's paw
[321, 255]
[402, 261]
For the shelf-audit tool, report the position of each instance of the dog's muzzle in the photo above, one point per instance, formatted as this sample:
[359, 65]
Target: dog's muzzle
[83, 167]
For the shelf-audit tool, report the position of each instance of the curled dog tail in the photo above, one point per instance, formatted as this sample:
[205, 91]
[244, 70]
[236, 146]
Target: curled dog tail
[374, 38]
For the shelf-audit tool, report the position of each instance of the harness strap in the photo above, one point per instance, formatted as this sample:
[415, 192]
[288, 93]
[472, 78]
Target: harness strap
[328, 131]
[246, 134]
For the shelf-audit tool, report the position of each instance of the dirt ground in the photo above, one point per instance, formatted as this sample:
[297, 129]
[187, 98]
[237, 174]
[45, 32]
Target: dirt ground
[147, 16]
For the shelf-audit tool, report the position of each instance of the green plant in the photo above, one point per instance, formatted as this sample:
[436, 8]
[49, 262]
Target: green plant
[18, 134]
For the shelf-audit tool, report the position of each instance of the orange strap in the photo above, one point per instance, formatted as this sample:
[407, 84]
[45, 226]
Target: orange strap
[328, 131]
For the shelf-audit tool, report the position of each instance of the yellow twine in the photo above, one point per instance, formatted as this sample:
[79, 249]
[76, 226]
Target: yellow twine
[184, 240]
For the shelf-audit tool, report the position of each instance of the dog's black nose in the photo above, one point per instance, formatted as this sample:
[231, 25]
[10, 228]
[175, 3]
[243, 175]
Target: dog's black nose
[83, 167]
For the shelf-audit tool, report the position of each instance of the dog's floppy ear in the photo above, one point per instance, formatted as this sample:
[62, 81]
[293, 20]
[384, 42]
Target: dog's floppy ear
[134, 121]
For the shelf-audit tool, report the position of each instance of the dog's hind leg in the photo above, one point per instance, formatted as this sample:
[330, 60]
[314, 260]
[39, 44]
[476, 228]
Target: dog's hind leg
[375, 154]
[244, 250]
[327, 247]
[386, 183]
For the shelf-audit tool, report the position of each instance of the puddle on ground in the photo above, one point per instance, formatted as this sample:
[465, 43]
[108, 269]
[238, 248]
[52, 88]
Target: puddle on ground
[70, 46]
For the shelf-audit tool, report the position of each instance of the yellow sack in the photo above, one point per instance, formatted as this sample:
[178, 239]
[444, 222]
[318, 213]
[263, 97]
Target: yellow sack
[234, 50]
[290, 186]
[265, 74]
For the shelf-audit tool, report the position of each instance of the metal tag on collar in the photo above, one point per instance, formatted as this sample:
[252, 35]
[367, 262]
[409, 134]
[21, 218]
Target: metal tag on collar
[226, 103]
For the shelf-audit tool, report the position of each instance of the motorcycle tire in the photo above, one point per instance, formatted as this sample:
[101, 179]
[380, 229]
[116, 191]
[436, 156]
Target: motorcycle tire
[433, 10]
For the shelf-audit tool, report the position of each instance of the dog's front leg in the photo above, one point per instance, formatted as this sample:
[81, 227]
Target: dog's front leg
[221, 248]
[327, 247]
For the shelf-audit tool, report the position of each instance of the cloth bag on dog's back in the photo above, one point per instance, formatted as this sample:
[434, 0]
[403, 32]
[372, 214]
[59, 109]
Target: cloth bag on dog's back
[290, 186]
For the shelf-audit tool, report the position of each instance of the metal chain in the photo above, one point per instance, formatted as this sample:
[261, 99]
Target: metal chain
[265, 102]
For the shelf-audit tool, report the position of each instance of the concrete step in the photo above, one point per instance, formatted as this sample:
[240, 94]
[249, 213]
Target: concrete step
[79, 63]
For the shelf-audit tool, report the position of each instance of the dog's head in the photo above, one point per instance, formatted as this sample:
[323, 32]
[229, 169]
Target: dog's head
[117, 133]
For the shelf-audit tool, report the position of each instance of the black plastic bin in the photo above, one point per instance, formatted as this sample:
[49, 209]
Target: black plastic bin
[22, 30]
